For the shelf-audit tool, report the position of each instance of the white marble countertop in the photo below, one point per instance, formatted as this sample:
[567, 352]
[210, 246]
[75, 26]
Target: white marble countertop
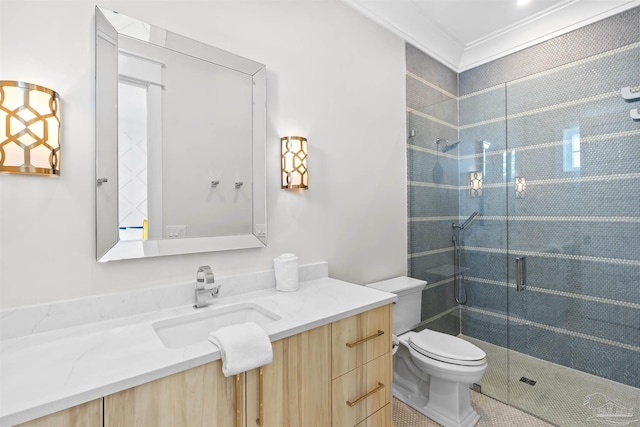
[47, 372]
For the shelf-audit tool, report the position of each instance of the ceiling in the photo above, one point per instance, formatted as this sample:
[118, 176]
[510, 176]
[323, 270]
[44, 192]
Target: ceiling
[463, 34]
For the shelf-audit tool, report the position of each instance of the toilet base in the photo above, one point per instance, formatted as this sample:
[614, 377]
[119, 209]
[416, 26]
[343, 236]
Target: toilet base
[451, 407]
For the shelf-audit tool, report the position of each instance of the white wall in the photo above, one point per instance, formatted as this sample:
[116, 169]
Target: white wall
[333, 77]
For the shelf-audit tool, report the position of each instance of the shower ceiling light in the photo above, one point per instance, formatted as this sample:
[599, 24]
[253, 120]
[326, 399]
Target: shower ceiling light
[29, 129]
[521, 186]
[294, 174]
[475, 184]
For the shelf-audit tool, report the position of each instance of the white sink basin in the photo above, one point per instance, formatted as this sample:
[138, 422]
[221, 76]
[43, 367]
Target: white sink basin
[193, 328]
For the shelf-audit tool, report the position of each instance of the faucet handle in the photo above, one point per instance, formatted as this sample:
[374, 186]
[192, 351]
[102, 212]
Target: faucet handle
[215, 290]
[204, 276]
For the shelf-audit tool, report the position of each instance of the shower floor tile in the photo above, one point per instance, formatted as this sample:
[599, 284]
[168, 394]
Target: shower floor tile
[492, 414]
[561, 395]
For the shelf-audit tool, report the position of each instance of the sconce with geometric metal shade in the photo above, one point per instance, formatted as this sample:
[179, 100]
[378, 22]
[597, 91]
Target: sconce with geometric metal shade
[475, 184]
[521, 187]
[29, 129]
[294, 174]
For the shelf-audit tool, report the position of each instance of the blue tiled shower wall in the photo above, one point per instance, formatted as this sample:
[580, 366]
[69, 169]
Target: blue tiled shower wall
[432, 112]
[578, 222]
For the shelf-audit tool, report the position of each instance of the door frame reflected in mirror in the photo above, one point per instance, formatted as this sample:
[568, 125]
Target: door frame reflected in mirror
[112, 30]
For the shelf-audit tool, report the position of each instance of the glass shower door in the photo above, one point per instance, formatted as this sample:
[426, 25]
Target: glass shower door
[483, 285]
[573, 238]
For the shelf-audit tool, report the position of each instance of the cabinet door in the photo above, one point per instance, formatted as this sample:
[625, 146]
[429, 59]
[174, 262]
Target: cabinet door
[200, 396]
[86, 415]
[296, 385]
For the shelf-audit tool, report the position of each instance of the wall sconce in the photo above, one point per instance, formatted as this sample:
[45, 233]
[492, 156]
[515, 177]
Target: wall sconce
[521, 187]
[475, 184]
[29, 129]
[294, 163]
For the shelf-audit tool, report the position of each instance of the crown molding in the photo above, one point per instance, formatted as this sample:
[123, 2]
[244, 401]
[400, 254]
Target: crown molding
[410, 22]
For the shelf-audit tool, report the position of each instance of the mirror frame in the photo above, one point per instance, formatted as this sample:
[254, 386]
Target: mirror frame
[109, 247]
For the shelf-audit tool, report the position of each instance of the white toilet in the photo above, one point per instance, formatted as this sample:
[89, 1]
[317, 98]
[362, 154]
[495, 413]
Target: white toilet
[432, 371]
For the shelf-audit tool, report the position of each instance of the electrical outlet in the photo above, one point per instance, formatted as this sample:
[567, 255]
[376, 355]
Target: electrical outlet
[261, 230]
[176, 231]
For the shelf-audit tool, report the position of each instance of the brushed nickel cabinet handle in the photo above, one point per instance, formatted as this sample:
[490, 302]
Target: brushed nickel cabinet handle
[361, 398]
[363, 340]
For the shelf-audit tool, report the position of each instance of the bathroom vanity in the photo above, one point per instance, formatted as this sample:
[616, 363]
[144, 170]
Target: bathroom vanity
[331, 367]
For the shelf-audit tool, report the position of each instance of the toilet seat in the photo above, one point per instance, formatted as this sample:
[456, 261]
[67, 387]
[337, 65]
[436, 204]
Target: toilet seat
[446, 348]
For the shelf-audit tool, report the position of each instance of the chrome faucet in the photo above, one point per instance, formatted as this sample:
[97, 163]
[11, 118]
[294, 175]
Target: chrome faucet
[205, 294]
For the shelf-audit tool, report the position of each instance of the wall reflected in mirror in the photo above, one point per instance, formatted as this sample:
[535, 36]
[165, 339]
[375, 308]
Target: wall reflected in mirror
[186, 142]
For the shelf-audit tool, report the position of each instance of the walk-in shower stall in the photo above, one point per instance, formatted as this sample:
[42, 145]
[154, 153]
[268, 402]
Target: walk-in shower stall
[546, 277]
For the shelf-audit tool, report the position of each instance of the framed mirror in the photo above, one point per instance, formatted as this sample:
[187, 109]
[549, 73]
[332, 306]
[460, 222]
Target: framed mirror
[180, 144]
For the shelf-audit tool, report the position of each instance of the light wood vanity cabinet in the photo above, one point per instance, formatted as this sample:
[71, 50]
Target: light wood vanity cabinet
[335, 375]
[295, 392]
[361, 370]
[86, 415]
[200, 396]
[297, 384]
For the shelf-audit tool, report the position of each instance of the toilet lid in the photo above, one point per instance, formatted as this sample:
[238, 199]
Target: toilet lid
[447, 348]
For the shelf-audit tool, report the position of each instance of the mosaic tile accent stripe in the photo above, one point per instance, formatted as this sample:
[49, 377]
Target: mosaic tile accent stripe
[607, 281]
[431, 85]
[558, 293]
[556, 256]
[554, 144]
[578, 63]
[502, 219]
[434, 218]
[433, 252]
[554, 181]
[432, 151]
[562, 331]
[563, 105]
[553, 70]
[439, 315]
[583, 179]
[431, 118]
[431, 70]
[434, 185]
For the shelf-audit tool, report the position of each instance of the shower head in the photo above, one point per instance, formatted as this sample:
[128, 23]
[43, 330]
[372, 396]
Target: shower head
[447, 145]
[461, 227]
[450, 146]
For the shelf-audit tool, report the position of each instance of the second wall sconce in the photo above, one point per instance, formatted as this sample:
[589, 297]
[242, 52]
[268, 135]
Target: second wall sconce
[29, 129]
[294, 175]
[475, 184]
[521, 187]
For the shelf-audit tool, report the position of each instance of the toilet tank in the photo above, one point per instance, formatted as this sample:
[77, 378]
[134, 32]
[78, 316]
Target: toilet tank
[406, 311]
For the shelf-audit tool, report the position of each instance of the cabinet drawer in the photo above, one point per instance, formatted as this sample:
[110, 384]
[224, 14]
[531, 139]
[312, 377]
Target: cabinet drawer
[382, 418]
[358, 339]
[361, 392]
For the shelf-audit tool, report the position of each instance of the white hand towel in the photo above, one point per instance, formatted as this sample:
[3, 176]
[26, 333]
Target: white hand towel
[286, 271]
[243, 347]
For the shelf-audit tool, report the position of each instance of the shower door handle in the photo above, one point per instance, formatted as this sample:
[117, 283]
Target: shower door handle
[521, 274]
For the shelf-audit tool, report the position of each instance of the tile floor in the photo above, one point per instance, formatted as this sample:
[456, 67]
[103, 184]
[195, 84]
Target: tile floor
[492, 414]
[561, 396]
